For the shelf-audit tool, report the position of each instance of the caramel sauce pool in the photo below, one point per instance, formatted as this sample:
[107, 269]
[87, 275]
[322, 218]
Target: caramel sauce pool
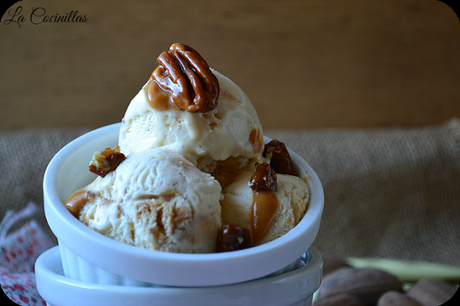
[264, 207]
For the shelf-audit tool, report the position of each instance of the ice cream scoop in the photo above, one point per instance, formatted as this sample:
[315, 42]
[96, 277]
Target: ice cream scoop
[224, 133]
[292, 195]
[155, 199]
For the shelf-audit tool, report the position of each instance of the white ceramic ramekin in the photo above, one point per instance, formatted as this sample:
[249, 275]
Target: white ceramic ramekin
[90, 256]
[293, 288]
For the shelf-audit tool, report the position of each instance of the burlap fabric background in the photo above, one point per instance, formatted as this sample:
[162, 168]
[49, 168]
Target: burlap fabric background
[390, 193]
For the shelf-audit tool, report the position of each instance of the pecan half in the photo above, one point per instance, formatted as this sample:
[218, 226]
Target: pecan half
[187, 77]
[106, 161]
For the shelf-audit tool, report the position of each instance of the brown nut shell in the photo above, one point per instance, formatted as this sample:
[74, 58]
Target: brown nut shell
[342, 299]
[365, 284]
[330, 264]
[394, 298]
[430, 291]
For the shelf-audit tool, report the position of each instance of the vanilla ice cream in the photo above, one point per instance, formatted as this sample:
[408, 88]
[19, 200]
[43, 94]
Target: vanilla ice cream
[156, 200]
[218, 134]
[227, 136]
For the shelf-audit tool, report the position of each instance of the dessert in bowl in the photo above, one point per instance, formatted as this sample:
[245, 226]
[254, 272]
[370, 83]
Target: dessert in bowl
[188, 192]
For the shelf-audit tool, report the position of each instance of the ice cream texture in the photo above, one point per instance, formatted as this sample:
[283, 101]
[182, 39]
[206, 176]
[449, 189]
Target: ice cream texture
[156, 200]
[229, 136]
[217, 134]
[190, 173]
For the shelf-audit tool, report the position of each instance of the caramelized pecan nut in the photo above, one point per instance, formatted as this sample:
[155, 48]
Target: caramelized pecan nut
[233, 237]
[263, 178]
[187, 77]
[106, 161]
[280, 159]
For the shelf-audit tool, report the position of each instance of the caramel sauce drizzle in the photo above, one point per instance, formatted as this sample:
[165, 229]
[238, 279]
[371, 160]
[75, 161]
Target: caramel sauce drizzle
[264, 184]
[264, 207]
[264, 201]
[256, 139]
[77, 200]
[102, 163]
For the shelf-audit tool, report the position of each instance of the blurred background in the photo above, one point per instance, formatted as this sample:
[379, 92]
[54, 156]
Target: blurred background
[305, 64]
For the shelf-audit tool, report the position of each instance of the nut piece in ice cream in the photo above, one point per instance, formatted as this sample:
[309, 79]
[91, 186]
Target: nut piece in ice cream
[106, 161]
[228, 135]
[156, 200]
[280, 159]
[233, 237]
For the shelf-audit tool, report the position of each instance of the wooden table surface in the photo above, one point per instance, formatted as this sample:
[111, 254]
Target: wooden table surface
[304, 64]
